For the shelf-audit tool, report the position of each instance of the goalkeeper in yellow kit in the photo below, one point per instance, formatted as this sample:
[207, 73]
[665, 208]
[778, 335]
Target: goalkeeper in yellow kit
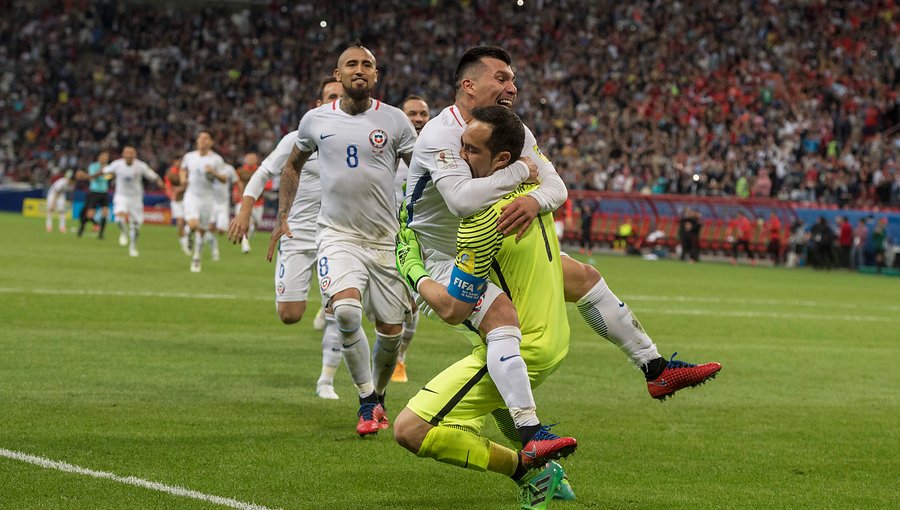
[444, 420]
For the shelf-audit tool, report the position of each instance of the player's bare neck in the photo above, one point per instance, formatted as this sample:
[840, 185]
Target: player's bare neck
[353, 107]
[203, 152]
[464, 107]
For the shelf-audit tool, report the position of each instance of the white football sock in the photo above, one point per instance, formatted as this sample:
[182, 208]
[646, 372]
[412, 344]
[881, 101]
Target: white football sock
[213, 242]
[354, 344]
[510, 374]
[198, 244]
[331, 351]
[409, 330]
[613, 320]
[384, 360]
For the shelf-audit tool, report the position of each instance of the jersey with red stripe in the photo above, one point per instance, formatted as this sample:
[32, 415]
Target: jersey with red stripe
[436, 156]
[358, 157]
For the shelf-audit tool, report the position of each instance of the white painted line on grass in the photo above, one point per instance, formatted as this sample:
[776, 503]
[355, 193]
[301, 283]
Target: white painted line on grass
[751, 301]
[768, 315]
[652, 299]
[130, 480]
[129, 293]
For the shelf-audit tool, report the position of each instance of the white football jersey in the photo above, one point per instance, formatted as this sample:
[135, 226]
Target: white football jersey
[400, 181]
[199, 185]
[358, 157]
[60, 185]
[129, 178]
[305, 209]
[222, 190]
[437, 156]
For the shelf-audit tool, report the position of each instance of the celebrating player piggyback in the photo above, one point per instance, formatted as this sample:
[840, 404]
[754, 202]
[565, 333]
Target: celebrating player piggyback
[358, 155]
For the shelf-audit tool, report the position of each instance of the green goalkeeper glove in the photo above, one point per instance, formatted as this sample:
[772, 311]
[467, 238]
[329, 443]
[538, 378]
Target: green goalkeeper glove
[409, 258]
[403, 214]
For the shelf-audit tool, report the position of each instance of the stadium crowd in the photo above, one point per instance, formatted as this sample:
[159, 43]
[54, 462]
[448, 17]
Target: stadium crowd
[750, 98]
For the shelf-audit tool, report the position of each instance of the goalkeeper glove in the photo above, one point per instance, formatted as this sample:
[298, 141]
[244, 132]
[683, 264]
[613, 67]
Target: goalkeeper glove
[409, 258]
[403, 214]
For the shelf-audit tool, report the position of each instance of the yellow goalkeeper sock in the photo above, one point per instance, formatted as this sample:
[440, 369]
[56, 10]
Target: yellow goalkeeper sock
[466, 450]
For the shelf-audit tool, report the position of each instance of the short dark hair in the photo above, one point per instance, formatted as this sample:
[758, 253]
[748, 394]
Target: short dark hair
[325, 81]
[507, 130]
[472, 58]
[412, 97]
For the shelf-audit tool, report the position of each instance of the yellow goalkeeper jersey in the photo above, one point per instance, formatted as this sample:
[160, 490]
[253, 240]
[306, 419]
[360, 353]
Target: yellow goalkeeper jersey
[529, 271]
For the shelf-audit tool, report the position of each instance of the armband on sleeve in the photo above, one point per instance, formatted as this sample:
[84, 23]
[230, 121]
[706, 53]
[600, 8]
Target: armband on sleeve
[465, 287]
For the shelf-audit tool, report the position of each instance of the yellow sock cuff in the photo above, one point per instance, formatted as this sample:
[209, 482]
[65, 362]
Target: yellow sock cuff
[502, 460]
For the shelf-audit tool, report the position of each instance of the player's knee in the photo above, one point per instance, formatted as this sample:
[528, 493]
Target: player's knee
[389, 329]
[501, 313]
[408, 430]
[348, 314]
[578, 278]
[291, 312]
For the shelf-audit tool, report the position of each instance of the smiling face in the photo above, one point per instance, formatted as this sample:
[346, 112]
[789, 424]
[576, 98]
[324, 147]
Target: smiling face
[492, 82]
[475, 151]
[417, 111]
[357, 73]
[331, 92]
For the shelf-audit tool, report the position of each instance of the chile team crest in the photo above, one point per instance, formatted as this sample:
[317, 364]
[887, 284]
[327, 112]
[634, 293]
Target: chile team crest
[378, 138]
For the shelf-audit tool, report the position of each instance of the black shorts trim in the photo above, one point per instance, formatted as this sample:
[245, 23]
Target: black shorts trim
[439, 417]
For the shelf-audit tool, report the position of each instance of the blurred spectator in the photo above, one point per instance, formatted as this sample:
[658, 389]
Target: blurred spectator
[805, 92]
[845, 242]
[774, 247]
[739, 231]
[585, 210]
[822, 245]
[624, 233]
[879, 242]
[858, 251]
[689, 234]
[799, 242]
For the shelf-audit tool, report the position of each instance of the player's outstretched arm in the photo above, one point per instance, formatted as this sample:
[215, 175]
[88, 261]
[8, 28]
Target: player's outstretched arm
[452, 310]
[466, 195]
[290, 180]
[240, 225]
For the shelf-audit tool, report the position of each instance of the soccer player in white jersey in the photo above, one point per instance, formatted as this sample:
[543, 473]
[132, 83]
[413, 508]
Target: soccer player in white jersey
[245, 173]
[359, 140]
[199, 169]
[440, 189]
[128, 201]
[221, 215]
[416, 109]
[56, 201]
[297, 258]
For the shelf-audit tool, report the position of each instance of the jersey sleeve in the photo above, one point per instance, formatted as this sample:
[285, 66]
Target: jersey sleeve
[552, 192]
[477, 243]
[306, 140]
[466, 195]
[148, 172]
[257, 182]
[407, 134]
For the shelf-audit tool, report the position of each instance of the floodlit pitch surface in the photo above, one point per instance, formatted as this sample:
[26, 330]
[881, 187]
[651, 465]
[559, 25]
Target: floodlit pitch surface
[132, 383]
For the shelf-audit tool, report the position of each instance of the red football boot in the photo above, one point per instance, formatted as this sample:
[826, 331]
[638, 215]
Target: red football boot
[681, 374]
[546, 446]
[369, 419]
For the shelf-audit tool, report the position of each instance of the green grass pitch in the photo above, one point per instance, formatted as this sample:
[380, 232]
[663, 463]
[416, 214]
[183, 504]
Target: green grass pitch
[139, 368]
